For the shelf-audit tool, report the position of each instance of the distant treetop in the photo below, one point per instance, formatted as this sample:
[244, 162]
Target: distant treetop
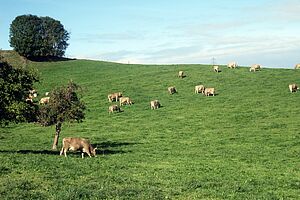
[32, 36]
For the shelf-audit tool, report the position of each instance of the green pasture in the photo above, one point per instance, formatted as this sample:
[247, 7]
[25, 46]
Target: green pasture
[243, 143]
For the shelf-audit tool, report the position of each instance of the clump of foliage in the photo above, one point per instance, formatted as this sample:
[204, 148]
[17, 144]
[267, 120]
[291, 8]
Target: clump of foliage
[64, 105]
[32, 36]
[15, 82]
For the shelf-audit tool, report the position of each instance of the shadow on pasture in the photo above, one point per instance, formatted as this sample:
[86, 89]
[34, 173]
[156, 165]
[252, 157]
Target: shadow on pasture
[49, 59]
[106, 148]
[45, 152]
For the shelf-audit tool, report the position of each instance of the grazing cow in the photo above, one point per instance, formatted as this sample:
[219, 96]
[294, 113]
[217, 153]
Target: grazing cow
[114, 108]
[297, 66]
[114, 96]
[232, 65]
[209, 91]
[125, 100]
[77, 144]
[293, 87]
[180, 74]
[154, 104]
[216, 68]
[44, 100]
[199, 89]
[255, 67]
[172, 90]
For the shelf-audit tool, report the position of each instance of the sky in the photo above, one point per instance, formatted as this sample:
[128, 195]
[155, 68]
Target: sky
[265, 32]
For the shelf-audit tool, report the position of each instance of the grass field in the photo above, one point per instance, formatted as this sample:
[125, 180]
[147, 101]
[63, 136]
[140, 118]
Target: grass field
[243, 143]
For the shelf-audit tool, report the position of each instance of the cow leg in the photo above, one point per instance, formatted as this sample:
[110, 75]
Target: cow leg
[82, 155]
[62, 151]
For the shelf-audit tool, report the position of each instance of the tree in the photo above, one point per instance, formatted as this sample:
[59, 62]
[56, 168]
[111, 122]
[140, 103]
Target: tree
[15, 83]
[64, 105]
[32, 36]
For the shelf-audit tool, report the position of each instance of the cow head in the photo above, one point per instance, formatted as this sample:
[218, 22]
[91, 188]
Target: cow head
[93, 151]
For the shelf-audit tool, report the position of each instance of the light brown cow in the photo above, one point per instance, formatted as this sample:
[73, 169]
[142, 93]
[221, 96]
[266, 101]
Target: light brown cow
[125, 100]
[216, 69]
[114, 96]
[209, 91]
[232, 65]
[44, 100]
[297, 66]
[77, 144]
[172, 90]
[154, 104]
[293, 87]
[181, 74]
[255, 67]
[113, 108]
[199, 89]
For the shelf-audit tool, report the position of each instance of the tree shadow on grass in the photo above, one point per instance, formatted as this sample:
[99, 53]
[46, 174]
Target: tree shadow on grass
[49, 59]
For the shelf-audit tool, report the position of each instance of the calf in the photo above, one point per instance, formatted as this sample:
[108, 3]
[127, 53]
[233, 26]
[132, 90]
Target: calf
[125, 100]
[114, 96]
[113, 108]
[293, 87]
[154, 104]
[172, 90]
[199, 89]
[216, 69]
[77, 144]
[232, 65]
[44, 100]
[180, 74]
[209, 91]
[255, 67]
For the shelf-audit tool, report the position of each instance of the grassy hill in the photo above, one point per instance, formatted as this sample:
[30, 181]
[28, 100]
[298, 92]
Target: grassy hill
[243, 143]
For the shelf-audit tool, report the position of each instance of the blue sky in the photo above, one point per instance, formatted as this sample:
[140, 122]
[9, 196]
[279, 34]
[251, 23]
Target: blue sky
[171, 31]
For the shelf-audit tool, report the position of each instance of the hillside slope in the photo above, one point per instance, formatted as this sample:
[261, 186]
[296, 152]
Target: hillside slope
[242, 143]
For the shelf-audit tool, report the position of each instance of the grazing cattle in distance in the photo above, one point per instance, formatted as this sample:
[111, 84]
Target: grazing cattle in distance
[77, 144]
[216, 68]
[209, 91]
[297, 66]
[154, 104]
[255, 67]
[114, 108]
[44, 100]
[125, 100]
[114, 96]
[293, 87]
[232, 65]
[199, 89]
[181, 74]
[32, 94]
[172, 90]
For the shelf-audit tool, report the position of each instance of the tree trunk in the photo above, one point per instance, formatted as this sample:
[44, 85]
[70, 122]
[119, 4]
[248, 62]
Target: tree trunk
[56, 136]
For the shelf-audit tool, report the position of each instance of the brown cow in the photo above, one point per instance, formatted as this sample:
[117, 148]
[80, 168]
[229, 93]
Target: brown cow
[113, 108]
[75, 144]
[255, 67]
[209, 91]
[154, 104]
[293, 87]
[172, 90]
[181, 74]
[114, 96]
[125, 100]
[199, 89]
[44, 100]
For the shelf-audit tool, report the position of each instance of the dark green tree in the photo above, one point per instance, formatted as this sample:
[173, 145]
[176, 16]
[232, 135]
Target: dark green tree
[32, 36]
[64, 105]
[15, 83]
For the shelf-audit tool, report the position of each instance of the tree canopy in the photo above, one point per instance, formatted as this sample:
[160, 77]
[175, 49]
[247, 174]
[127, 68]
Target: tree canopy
[64, 105]
[32, 36]
[15, 83]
